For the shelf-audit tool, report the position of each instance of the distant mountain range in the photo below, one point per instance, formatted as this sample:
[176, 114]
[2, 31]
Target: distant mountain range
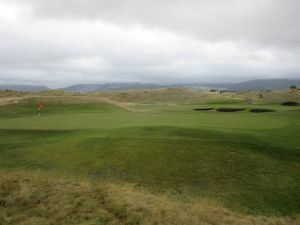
[24, 88]
[267, 84]
[260, 84]
[110, 86]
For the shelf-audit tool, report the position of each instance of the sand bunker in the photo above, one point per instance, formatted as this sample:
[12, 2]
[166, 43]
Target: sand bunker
[261, 110]
[289, 103]
[230, 109]
[203, 109]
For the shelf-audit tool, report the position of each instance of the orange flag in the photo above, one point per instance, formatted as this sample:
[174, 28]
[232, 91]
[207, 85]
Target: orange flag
[41, 105]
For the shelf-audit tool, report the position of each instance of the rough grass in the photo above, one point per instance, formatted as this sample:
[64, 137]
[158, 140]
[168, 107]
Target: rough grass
[167, 95]
[8, 93]
[27, 199]
[174, 95]
[274, 97]
[182, 95]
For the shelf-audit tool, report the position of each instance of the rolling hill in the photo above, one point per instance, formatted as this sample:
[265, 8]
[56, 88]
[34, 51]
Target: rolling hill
[267, 84]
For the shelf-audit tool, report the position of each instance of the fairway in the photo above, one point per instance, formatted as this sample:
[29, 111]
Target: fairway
[247, 162]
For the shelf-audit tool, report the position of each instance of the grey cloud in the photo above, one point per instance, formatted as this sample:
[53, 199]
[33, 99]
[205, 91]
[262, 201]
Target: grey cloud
[60, 42]
[263, 21]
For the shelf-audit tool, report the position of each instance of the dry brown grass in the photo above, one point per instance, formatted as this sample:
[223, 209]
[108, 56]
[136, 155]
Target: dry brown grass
[60, 99]
[262, 97]
[43, 200]
[125, 99]
[167, 95]
[8, 93]
[183, 95]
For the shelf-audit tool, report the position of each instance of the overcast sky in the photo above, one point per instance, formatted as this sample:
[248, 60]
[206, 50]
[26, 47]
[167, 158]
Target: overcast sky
[62, 42]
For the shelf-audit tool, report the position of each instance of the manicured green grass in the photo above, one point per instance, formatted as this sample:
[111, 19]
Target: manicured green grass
[247, 162]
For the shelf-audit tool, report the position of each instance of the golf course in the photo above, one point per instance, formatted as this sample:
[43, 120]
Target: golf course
[142, 157]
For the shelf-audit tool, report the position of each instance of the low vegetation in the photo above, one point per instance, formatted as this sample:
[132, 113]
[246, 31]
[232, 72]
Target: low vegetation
[28, 199]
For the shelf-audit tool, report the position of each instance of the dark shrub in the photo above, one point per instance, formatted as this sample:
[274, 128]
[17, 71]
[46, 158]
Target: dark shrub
[223, 92]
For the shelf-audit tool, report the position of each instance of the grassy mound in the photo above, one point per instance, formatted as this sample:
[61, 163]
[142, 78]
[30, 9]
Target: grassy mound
[261, 110]
[38, 199]
[230, 109]
[167, 95]
[203, 109]
[240, 171]
[289, 103]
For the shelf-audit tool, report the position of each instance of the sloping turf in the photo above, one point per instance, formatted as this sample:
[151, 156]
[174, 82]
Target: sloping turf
[245, 161]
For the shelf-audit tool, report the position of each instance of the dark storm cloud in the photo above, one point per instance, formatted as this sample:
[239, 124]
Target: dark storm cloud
[60, 42]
